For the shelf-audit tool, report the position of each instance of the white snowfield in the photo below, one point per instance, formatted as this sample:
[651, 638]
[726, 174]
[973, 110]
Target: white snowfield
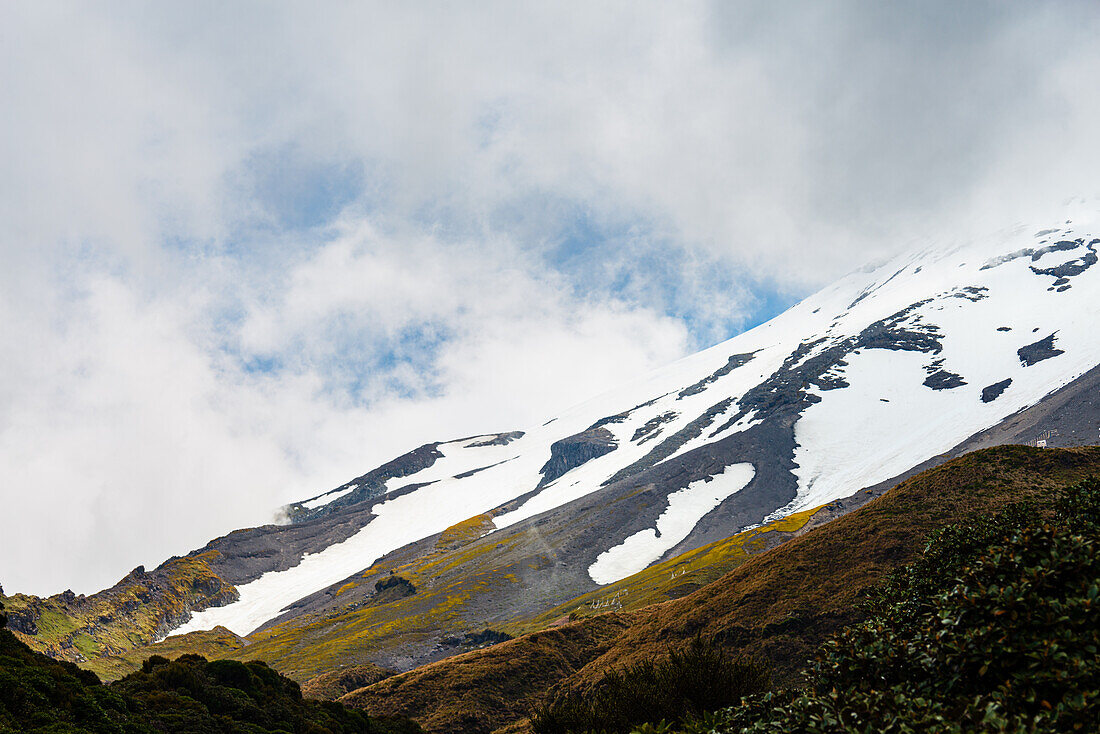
[885, 422]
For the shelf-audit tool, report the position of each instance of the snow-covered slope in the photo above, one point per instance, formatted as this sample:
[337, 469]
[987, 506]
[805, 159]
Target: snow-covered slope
[876, 373]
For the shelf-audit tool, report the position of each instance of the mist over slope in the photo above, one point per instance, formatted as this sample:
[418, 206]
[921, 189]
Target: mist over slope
[889, 370]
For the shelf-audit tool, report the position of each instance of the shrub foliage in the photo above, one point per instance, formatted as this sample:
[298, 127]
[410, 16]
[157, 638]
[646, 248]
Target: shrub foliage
[996, 628]
[187, 695]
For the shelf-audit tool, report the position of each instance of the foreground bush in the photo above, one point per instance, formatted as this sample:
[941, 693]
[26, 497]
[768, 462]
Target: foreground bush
[995, 629]
[679, 689]
[186, 696]
[38, 693]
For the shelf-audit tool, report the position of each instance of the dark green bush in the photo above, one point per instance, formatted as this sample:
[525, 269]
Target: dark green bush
[1078, 507]
[948, 552]
[688, 683]
[188, 695]
[996, 628]
[39, 694]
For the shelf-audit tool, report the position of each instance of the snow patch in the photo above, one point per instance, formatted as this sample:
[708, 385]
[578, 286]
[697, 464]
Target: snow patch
[686, 508]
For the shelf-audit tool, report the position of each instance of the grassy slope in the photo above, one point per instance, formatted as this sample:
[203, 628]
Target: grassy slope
[212, 644]
[479, 690]
[127, 616]
[330, 686]
[669, 579]
[777, 606]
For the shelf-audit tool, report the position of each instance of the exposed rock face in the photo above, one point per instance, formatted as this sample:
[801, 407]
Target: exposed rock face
[944, 380]
[502, 439]
[369, 486]
[472, 640]
[1074, 267]
[672, 443]
[22, 622]
[571, 452]
[652, 428]
[1036, 352]
[735, 361]
[142, 607]
[1033, 252]
[392, 588]
[992, 392]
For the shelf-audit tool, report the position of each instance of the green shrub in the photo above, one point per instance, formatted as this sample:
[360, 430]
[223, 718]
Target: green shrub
[688, 683]
[996, 628]
[948, 552]
[39, 694]
[188, 695]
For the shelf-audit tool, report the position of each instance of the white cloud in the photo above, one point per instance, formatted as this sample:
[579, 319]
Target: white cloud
[170, 177]
[126, 438]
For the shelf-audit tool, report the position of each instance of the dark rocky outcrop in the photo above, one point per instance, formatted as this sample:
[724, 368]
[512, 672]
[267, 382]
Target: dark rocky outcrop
[372, 485]
[1033, 252]
[392, 588]
[652, 427]
[473, 640]
[1073, 267]
[1038, 351]
[992, 392]
[501, 439]
[580, 448]
[670, 445]
[943, 380]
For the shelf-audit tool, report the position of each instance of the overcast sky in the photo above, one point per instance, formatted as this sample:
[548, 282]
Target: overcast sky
[248, 251]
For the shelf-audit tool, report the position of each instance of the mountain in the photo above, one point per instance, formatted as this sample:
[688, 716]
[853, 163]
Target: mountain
[776, 608]
[462, 543]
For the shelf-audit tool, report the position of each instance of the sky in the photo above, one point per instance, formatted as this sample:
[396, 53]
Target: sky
[251, 250]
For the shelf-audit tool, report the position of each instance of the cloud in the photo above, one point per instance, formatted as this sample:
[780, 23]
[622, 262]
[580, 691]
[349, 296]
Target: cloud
[129, 433]
[250, 250]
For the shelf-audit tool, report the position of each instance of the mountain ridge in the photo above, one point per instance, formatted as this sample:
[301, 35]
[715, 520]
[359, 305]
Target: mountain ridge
[891, 370]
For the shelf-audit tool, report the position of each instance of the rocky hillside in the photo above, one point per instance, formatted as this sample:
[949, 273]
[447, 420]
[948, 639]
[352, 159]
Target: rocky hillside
[141, 608]
[777, 607]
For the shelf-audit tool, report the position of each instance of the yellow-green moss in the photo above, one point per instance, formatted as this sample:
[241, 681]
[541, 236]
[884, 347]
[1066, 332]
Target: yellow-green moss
[124, 617]
[465, 531]
[211, 644]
